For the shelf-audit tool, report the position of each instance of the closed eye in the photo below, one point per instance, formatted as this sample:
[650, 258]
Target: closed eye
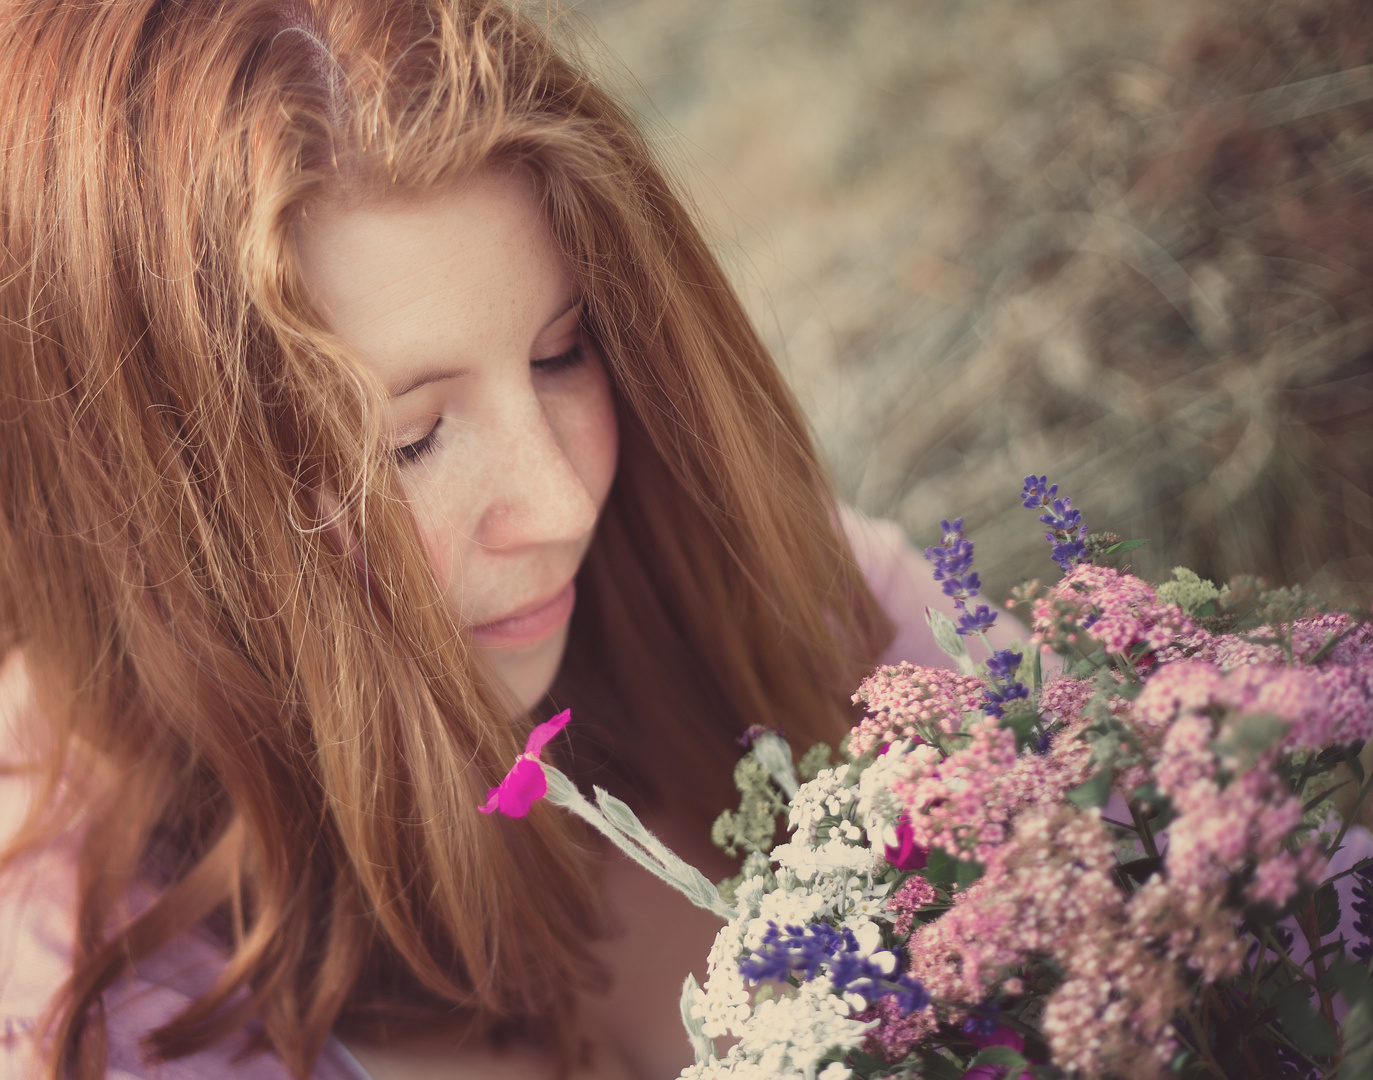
[412, 452]
[552, 365]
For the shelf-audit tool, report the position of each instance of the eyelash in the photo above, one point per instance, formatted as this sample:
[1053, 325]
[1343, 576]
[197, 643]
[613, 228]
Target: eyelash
[412, 452]
[562, 362]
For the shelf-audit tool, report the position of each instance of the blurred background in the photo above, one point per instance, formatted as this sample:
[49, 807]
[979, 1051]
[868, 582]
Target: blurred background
[1126, 243]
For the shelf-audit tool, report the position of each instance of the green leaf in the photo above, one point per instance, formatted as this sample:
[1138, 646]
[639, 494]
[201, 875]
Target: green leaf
[935, 1066]
[1355, 765]
[619, 814]
[941, 869]
[1352, 980]
[1124, 546]
[1025, 727]
[1327, 910]
[1362, 864]
[969, 870]
[1206, 610]
[701, 1046]
[949, 640]
[1003, 1056]
[1301, 1023]
[1254, 732]
[1325, 950]
[1148, 792]
[863, 1065]
[1095, 792]
[1357, 1029]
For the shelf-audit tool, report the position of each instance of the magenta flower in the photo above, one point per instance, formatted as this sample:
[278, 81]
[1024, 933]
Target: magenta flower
[906, 854]
[1002, 1036]
[525, 782]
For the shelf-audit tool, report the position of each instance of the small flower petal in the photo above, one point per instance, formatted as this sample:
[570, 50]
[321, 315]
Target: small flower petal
[522, 785]
[541, 735]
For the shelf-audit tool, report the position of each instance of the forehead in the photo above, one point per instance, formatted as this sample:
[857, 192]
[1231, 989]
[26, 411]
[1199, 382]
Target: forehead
[438, 278]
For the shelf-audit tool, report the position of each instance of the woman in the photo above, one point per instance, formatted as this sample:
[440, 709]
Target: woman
[346, 345]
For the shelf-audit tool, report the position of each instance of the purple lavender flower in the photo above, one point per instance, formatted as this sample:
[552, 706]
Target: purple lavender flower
[1066, 532]
[1037, 493]
[975, 621]
[1003, 663]
[795, 950]
[983, 1021]
[801, 951]
[953, 560]
[1001, 668]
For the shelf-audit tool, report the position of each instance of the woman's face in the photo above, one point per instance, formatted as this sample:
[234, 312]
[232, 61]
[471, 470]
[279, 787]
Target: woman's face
[501, 418]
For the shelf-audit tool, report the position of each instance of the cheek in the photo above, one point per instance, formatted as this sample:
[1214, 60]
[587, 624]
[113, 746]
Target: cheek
[441, 527]
[440, 543]
[590, 434]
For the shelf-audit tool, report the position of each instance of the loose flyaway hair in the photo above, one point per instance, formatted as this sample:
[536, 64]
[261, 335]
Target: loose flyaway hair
[283, 734]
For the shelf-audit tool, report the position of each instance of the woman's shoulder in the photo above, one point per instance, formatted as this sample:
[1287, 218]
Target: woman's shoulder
[35, 888]
[37, 929]
[36, 891]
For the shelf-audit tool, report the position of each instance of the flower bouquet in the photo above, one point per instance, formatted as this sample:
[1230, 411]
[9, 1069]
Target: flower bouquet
[1121, 850]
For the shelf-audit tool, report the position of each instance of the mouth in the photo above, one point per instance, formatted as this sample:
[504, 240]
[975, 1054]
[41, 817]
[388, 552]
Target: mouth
[530, 624]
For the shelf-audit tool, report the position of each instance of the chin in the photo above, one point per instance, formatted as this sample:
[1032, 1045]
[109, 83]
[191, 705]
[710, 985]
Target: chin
[527, 671]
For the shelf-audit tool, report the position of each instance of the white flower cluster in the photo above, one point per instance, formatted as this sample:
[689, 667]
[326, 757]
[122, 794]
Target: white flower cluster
[879, 807]
[832, 869]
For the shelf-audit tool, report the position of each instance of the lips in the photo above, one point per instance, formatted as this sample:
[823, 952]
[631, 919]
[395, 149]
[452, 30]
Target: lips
[530, 624]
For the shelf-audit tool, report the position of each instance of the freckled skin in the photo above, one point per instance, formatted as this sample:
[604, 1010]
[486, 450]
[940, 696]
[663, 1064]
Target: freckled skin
[508, 444]
[469, 286]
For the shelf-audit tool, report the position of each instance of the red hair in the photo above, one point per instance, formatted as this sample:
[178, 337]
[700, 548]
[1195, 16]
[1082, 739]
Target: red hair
[292, 757]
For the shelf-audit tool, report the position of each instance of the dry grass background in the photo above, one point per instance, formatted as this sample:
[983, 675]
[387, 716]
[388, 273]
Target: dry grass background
[1128, 243]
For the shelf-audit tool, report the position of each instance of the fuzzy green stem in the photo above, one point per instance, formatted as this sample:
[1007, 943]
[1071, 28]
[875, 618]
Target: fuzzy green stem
[638, 844]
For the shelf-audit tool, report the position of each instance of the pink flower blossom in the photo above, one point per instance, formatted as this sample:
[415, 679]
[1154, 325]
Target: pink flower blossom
[902, 699]
[895, 1035]
[1326, 705]
[1308, 636]
[966, 803]
[956, 804]
[1063, 698]
[525, 783]
[1275, 881]
[1051, 891]
[913, 895]
[1117, 609]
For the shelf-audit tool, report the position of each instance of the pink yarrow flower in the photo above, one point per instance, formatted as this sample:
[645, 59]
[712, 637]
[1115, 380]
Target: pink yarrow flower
[909, 702]
[525, 783]
[1117, 609]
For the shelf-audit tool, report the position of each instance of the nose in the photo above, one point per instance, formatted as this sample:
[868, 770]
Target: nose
[535, 494]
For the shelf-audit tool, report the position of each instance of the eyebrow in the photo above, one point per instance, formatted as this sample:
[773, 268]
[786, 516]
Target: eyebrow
[437, 374]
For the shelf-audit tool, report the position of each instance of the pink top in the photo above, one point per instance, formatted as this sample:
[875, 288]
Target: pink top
[36, 909]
